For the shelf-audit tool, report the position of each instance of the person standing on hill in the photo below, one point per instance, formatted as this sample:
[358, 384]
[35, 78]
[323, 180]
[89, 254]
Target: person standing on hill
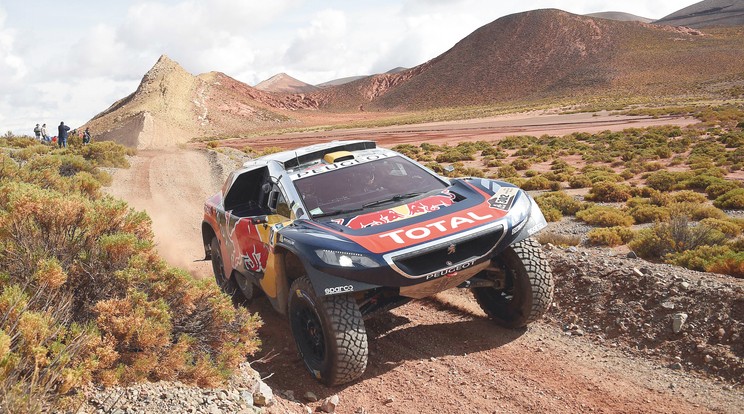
[62, 135]
[44, 134]
[86, 136]
[37, 132]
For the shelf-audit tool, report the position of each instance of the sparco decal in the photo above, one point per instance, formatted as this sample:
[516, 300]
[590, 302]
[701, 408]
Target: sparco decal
[446, 271]
[339, 289]
[437, 227]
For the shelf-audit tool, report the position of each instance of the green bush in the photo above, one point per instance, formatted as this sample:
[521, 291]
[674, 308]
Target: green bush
[700, 258]
[732, 200]
[609, 192]
[507, 171]
[728, 227]
[610, 236]
[688, 196]
[649, 213]
[604, 216]
[454, 155]
[675, 236]
[520, 164]
[579, 181]
[536, 183]
[560, 201]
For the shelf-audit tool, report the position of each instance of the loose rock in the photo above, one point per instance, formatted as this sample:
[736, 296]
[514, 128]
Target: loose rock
[329, 404]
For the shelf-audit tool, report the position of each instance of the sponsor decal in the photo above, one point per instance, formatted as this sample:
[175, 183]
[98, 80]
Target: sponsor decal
[336, 166]
[405, 211]
[339, 289]
[449, 270]
[440, 227]
[452, 249]
[504, 198]
[518, 227]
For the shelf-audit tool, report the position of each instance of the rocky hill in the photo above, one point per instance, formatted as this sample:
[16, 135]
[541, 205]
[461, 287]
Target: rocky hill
[172, 106]
[551, 54]
[283, 83]
[708, 13]
[620, 16]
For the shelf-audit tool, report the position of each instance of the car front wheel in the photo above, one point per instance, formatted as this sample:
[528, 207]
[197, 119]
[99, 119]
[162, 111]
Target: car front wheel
[526, 288]
[329, 333]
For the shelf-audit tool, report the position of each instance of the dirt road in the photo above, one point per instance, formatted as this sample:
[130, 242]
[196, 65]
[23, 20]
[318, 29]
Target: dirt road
[434, 356]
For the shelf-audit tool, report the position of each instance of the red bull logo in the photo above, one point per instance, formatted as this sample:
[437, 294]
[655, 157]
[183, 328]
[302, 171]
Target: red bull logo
[415, 208]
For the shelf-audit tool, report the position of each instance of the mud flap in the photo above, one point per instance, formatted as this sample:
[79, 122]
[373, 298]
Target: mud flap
[325, 284]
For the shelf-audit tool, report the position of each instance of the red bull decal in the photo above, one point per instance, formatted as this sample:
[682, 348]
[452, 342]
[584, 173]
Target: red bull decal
[405, 211]
[249, 248]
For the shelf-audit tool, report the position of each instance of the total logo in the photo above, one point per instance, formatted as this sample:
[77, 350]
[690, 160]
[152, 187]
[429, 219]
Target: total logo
[441, 226]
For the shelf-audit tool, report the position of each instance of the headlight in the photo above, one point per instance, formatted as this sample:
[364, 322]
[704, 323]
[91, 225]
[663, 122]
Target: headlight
[345, 259]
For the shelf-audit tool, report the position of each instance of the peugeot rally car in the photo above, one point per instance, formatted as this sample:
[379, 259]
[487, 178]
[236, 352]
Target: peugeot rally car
[336, 232]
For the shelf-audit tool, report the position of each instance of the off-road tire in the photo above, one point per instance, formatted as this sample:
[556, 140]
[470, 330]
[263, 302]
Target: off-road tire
[226, 284]
[528, 288]
[329, 333]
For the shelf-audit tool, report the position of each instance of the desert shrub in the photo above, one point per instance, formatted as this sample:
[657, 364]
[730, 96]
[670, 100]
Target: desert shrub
[518, 181]
[270, 150]
[674, 236]
[106, 154]
[604, 216]
[610, 236]
[728, 227]
[700, 258]
[600, 174]
[733, 200]
[696, 211]
[649, 213]
[521, 164]
[579, 181]
[627, 174]
[730, 263]
[721, 187]
[560, 201]
[432, 147]
[84, 296]
[507, 171]
[531, 173]
[688, 196]
[493, 152]
[213, 144]
[454, 155]
[536, 183]
[664, 180]
[605, 191]
[515, 142]
[409, 150]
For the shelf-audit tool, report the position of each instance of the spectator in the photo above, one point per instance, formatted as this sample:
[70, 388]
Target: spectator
[62, 135]
[86, 136]
[44, 134]
[37, 132]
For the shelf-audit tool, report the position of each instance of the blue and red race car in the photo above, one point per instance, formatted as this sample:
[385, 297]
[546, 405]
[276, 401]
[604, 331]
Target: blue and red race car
[337, 232]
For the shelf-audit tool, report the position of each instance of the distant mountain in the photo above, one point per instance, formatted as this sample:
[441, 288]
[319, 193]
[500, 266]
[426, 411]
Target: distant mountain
[283, 83]
[620, 16]
[172, 106]
[708, 13]
[396, 70]
[552, 54]
[339, 81]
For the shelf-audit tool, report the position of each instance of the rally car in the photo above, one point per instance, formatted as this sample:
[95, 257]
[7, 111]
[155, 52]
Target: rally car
[337, 232]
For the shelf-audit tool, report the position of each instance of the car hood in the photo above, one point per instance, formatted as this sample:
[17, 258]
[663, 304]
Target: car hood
[464, 206]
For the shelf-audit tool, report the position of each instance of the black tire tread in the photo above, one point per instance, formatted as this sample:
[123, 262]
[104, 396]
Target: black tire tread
[348, 330]
[540, 276]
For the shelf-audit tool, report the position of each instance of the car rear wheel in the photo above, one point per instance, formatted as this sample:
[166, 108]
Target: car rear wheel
[526, 290]
[329, 333]
[227, 284]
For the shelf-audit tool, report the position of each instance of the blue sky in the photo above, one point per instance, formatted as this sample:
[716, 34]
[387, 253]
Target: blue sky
[70, 60]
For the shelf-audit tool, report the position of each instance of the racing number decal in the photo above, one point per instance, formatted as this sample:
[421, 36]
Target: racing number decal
[503, 199]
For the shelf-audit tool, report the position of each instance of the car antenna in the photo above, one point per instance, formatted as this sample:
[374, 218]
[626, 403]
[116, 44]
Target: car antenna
[297, 159]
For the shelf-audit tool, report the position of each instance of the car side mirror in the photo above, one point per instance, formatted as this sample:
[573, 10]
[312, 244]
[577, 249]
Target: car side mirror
[273, 199]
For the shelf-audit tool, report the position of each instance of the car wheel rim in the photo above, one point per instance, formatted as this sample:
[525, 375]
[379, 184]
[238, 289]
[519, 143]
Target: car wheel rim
[310, 334]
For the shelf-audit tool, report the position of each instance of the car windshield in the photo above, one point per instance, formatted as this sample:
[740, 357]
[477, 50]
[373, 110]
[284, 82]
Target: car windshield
[366, 185]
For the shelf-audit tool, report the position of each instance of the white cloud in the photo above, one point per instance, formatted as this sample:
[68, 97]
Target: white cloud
[12, 66]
